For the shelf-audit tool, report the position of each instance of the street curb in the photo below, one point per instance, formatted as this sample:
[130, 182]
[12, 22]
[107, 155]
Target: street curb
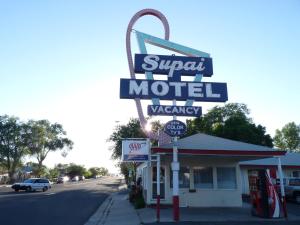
[99, 217]
[5, 185]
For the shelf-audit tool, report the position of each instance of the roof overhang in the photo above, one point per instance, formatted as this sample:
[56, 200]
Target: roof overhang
[269, 166]
[239, 155]
[220, 152]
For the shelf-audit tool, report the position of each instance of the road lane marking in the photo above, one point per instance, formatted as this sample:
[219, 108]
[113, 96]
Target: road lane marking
[51, 193]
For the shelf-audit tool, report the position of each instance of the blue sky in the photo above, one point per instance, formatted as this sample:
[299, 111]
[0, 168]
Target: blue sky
[62, 61]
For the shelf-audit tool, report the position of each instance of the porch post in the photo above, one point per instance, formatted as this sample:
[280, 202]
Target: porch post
[283, 200]
[175, 169]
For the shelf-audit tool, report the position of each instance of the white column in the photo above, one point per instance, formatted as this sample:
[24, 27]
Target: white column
[175, 169]
[158, 175]
[280, 177]
[192, 182]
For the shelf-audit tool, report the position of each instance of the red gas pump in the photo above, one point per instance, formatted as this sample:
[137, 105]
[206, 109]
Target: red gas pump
[264, 198]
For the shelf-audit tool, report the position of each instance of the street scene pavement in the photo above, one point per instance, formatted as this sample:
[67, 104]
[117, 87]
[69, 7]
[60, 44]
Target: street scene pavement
[70, 203]
[105, 201]
[117, 210]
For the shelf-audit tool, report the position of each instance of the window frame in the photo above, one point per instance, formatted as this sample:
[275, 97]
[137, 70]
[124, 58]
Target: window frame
[235, 180]
[212, 177]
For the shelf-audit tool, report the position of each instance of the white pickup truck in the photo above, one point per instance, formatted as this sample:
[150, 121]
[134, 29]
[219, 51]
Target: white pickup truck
[292, 188]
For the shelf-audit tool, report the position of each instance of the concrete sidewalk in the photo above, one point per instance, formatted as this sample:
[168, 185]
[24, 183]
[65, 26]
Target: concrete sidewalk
[117, 210]
[215, 214]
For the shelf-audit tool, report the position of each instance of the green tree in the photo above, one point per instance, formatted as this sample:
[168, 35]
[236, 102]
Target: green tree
[131, 130]
[76, 170]
[98, 171]
[36, 171]
[13, 135]
[95, 171]
[103, 171]
[46, 137]
[288, 138]
[231, 121]
[53, 173]
[62, 168]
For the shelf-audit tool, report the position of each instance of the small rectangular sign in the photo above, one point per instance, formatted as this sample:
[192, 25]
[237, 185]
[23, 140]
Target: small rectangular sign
[166, 90]
[170, 64]
[135, 150]
[169, 110]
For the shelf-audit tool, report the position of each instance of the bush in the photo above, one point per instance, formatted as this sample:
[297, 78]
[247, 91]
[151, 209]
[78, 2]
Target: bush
[136, 197]
[139, 202]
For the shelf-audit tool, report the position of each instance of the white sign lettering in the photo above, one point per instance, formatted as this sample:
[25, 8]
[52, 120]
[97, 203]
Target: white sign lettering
[152, 62]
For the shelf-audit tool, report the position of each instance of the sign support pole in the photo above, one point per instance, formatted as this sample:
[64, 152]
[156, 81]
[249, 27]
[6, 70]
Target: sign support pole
[158, 187]
[175, 169]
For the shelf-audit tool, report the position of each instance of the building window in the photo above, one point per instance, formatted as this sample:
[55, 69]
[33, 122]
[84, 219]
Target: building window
[296, 173]
[144, 179]
[161, 182]
[226, 177]
[203, 177]
[184, 177]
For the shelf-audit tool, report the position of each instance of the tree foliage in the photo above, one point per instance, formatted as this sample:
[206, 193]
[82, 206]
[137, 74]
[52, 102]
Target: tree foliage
[45, 137]
[131, 130]
[288, 138]
[36, 170]
[13, 135]
[98, 171]
[231, 121]
[76, 170]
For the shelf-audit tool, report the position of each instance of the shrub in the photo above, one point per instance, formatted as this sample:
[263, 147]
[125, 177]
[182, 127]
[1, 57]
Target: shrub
[139, 202]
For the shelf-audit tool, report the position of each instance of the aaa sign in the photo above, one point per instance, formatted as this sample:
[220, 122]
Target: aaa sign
[135, 150]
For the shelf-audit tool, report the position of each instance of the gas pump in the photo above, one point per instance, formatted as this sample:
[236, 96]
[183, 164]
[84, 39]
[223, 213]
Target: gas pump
[264, 198]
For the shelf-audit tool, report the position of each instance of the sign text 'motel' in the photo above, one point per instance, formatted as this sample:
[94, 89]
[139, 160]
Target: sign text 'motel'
[169, 90]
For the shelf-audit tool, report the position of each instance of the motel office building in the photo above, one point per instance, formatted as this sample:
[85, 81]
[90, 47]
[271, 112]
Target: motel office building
[210, 174]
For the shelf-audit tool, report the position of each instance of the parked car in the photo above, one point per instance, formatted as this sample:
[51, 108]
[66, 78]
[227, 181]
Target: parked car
[81, 178]
[32, 184]
[63, 179]
[75, 178]
[292, 188]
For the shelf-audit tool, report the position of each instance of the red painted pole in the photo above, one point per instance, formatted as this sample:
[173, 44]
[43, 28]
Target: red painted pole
[284, 207]
[176, 208]
[158, 208]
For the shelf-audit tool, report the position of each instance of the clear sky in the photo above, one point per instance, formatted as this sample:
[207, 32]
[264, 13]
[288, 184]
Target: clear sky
[62, 61]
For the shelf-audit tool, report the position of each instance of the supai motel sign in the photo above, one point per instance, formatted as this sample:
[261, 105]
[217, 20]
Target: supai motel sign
[173, 88]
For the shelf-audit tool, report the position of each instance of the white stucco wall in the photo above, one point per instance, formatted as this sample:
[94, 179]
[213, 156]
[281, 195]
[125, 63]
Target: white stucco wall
[201, 197]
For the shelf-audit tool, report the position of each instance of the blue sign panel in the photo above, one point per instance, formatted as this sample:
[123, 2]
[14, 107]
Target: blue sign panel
[175, 128]
[163, 64]
[166, 90]
[135, 157]
[169, 110]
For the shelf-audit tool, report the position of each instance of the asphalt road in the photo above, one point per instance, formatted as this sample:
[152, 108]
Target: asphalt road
[64, 204]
